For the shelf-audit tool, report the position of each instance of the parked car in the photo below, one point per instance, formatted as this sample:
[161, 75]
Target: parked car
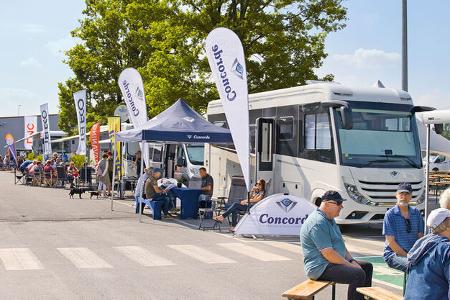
[438, 162]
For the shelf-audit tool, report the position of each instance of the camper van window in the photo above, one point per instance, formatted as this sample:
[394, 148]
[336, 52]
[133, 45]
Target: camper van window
[252, 138]
[196, 154]
[392, 129]
[310, 131]
[157, 154]
[286, 128]
[323, 133]
[132, 148]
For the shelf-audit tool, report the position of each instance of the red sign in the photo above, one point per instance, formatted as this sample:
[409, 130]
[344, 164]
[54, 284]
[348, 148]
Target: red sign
[94, 138]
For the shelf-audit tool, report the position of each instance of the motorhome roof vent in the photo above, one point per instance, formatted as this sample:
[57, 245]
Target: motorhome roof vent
[379, 84]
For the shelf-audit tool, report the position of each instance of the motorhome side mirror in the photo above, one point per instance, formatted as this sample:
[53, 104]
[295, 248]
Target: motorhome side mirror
[346, 116]
[181, 162]
[439, 128]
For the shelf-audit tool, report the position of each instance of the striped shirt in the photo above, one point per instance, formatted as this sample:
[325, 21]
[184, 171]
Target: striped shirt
[396, 225]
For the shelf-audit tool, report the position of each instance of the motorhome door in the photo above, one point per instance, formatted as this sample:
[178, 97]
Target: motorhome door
[265, 136]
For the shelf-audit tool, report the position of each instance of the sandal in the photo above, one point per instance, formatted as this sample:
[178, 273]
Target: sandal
[216, 218]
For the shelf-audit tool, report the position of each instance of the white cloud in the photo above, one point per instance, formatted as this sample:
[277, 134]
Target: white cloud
[364, 67]
[30, 62]
[33, 28]
[59, 46]
[368, 58]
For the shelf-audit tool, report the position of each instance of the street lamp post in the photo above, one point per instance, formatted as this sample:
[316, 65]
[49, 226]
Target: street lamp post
[404, 45]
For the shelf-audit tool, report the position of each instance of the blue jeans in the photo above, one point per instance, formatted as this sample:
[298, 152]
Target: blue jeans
[234, 210]
[165, 206]
[397, 262]
[165, 202]
[204, 201]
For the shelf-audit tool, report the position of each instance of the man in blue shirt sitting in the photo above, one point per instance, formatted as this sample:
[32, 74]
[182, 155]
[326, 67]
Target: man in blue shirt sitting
[325, 255]
[402, 227]
[429, 260]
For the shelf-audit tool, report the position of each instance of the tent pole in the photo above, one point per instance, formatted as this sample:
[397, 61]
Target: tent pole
[143, 144]
[427, 175]
[114, 174]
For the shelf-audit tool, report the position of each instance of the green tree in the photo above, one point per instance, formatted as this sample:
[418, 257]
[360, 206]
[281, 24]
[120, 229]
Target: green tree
[164, 40]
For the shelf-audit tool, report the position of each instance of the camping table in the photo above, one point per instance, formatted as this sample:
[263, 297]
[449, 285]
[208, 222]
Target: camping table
[189, 201]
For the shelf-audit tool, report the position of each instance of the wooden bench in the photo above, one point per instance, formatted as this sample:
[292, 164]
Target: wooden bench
[378, 293]
[308, 288]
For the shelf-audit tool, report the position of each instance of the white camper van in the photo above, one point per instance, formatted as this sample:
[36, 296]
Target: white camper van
[306, 140]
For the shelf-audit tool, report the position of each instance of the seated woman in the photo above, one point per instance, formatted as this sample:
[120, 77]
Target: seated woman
[258, 193]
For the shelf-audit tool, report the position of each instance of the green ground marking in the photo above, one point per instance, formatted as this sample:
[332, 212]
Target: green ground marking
[382, 272]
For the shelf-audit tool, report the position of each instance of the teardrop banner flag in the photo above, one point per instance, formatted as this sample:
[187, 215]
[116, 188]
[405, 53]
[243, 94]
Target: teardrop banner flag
[80, 105]
[132, 87]
[9, 139]
[30, 128]
[45, 119]
[227, 61]
[94, 139]
[113, 128]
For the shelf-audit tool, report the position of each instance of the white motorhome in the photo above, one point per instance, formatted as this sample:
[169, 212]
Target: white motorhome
[309, 139]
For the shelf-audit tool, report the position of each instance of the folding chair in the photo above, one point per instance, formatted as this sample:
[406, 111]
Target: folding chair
[238, 191]
[61, 176]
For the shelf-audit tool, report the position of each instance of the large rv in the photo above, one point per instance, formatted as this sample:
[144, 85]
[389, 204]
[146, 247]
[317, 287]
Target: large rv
[309, 139]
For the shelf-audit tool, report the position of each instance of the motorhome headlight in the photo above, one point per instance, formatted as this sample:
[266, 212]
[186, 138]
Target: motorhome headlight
[193, 171]
[355, 195]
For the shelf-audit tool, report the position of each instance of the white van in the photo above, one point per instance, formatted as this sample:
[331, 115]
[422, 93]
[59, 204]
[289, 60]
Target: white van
[438, 162]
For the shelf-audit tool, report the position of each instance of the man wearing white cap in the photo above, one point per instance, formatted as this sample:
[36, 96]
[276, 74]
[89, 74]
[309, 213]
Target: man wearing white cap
[429, 260]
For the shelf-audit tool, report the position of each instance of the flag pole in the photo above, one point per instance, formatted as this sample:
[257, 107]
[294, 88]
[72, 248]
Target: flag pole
[114, 173]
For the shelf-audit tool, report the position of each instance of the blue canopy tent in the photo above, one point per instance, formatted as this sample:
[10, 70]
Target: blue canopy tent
[177, 124]
[180, 124]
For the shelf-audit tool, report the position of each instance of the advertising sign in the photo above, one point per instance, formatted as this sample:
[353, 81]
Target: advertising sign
[132, 87]
[30, 125]
[113, 128]
[45, 119]
[80, 105]
[227, 61]
[94, 138]
[277, 214]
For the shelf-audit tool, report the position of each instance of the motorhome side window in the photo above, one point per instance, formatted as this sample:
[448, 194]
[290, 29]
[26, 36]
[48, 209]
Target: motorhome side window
[317, 138]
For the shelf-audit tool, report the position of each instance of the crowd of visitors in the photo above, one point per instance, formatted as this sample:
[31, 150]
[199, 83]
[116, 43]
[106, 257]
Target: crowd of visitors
[423, 255]
[425, 259]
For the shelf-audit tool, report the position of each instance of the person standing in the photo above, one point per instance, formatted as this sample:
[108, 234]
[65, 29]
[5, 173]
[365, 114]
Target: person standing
[402, 227]
[429, 260]
[325, 255]
[138, 163]
[102, 174]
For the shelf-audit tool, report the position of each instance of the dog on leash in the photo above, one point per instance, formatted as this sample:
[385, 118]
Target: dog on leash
[75, 190]
[94, 193]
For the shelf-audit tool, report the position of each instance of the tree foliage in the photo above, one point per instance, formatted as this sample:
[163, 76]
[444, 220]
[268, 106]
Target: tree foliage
[283, 42]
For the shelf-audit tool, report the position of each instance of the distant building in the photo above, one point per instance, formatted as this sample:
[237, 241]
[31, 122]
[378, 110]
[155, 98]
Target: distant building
[16, 126]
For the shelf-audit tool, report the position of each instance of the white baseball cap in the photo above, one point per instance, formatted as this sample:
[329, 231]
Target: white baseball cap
[437, 216]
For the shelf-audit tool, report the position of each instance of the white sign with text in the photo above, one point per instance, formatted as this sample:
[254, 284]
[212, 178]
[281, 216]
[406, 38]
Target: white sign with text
[277, 214]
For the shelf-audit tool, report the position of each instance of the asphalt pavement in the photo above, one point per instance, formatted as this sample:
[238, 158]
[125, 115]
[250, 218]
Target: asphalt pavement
[54, 247]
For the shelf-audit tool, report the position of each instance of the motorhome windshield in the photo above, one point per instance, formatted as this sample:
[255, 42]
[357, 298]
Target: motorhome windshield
[380, 139]
[195, 154]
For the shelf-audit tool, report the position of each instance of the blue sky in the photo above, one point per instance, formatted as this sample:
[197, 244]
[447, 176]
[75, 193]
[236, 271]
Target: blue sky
[35, 33]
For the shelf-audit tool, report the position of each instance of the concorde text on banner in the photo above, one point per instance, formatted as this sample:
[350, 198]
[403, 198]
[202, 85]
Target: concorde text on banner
[132, 87]
[227, 61]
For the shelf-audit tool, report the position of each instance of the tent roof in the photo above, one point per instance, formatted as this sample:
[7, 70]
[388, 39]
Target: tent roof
[178, 123]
